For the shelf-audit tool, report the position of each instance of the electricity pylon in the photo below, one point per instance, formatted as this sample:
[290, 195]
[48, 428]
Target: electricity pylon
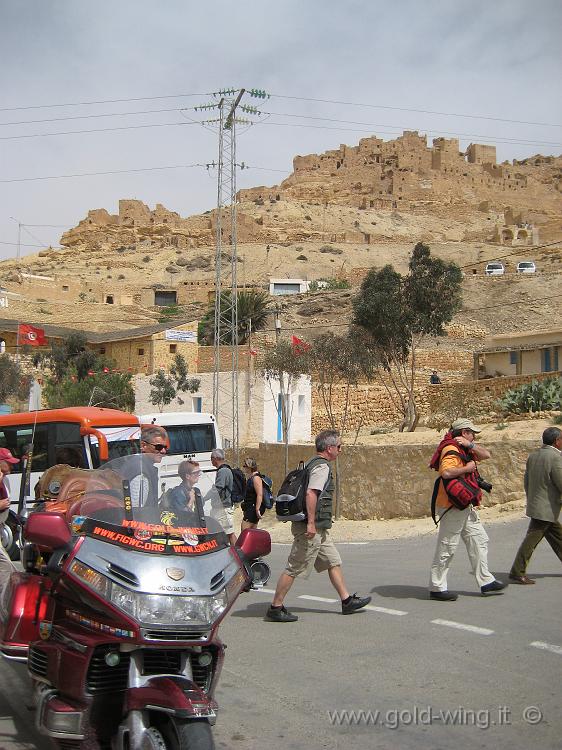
[226, 257]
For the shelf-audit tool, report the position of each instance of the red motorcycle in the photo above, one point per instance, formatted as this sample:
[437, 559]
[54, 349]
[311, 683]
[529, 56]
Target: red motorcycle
[117, 615]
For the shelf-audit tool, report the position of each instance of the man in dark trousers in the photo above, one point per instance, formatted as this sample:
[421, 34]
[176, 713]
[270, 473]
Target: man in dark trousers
[543, 487]
[312, 546]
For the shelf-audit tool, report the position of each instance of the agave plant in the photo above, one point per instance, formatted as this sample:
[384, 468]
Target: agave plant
[538, 395]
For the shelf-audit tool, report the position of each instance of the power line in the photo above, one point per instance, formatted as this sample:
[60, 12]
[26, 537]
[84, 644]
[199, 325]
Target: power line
[402, 128]
[126, 171]
[94, 116]
[95, 130]
[419, 111]
[101, 101]
[282, 96]
[519, 251]
[512, 141]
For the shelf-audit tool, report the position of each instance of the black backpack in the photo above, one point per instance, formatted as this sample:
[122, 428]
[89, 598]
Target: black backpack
[238, 485]
[290, 503]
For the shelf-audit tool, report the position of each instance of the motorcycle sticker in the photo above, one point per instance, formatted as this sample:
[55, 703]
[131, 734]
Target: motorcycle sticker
[45, 630]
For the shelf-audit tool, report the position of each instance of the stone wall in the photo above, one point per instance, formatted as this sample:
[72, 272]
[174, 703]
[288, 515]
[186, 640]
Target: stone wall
[381, 482]
[370, 403]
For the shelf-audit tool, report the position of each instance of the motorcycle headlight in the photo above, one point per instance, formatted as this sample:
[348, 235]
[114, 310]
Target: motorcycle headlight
[155, 609]
[180, 610]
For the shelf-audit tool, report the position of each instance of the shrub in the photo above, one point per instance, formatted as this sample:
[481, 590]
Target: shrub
[539, 395]
[330, 249]
[146, 259]
[328, 285]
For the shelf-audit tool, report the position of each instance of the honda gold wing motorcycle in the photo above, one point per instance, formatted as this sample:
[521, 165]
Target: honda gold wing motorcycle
[117, 614]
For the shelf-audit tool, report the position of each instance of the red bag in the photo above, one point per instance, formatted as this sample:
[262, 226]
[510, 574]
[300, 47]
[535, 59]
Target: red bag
[462, 491]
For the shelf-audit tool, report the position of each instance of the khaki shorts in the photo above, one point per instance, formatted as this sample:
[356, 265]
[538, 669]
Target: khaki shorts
[319, 552]
[225, 516]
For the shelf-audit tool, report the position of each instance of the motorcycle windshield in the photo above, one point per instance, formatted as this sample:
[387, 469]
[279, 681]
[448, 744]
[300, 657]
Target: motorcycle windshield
[123, 503]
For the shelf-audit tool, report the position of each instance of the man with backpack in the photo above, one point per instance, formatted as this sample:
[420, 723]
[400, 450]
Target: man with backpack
[457, 494]
[312, 546]
[221, 505]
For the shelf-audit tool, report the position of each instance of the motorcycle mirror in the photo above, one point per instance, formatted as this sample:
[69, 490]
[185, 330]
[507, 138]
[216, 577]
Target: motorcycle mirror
[254, 543]
[47, 530]
[259, 573]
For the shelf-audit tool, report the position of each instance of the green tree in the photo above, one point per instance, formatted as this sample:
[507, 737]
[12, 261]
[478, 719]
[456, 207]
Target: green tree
[283, 363]
[80, 377]
[110, 390]
[253, 309]
[13, 380]
[167, 386]
[399, 312]
[336, 362]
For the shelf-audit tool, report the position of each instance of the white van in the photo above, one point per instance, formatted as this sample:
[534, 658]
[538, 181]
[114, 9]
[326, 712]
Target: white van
[192, 435]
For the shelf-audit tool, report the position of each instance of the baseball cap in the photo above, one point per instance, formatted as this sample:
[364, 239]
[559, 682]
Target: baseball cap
[6, 455]
[464, 424]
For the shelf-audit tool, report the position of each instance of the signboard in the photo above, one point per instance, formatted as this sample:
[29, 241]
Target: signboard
[188, 337]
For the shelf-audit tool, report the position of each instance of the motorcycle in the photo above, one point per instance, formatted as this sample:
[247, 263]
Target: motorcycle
[117, 614]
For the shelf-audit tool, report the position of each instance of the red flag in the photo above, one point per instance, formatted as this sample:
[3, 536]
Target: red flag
[31, 336]
[299, 346]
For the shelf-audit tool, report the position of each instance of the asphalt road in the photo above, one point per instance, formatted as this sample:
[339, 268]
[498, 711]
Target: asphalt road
[478, 672]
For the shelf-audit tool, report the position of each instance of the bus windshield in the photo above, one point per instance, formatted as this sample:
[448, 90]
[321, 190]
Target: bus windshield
[194, 438]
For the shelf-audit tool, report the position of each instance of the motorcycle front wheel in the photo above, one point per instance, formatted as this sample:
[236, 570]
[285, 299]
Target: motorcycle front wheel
[186, 734]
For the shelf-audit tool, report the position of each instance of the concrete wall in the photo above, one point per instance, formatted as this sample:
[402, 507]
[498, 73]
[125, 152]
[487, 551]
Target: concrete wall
[299, 410]
[380, 482]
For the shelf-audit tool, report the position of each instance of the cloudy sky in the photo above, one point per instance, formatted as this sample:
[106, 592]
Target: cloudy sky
[129, 72]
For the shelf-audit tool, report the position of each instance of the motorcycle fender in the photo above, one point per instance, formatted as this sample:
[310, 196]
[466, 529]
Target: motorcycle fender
[175, 695]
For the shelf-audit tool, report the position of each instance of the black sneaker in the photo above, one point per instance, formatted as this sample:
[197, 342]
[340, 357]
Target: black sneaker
[354, 603]
[443, 596]
[490, 589]
[280, 614]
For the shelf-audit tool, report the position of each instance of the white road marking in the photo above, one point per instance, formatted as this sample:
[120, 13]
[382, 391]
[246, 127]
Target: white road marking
[547, 647]
[462, 626]
[385, 610]
[357, 544]
[264, 591]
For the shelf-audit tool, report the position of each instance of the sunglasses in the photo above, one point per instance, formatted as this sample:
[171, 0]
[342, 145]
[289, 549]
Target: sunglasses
[193, 473]
[158, 446]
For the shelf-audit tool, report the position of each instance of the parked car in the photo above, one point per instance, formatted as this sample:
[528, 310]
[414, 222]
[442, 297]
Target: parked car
[494, 269]
[526, 266]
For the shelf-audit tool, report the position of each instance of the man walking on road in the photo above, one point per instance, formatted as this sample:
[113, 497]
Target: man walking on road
[222, 509]
[456, 456]
[312, 546]
[543, 487]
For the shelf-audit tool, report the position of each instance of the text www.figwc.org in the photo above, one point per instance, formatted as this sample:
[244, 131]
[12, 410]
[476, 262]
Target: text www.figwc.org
[482, 718]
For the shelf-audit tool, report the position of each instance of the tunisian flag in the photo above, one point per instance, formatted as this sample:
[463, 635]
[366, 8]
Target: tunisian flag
[31, 336]
[299, 346]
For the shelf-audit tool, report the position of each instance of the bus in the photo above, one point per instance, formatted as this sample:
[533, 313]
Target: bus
[82, 436]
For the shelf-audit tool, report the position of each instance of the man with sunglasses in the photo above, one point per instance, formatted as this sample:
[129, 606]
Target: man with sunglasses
[312, 546]
[142, 470]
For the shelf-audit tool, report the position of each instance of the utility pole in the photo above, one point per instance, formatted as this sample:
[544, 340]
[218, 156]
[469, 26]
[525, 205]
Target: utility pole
[226, 268]
[283, 397]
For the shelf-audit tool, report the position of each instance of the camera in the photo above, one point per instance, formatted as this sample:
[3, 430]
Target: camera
[484, 485]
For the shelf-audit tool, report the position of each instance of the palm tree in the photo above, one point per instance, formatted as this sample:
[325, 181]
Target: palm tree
[253, 309]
